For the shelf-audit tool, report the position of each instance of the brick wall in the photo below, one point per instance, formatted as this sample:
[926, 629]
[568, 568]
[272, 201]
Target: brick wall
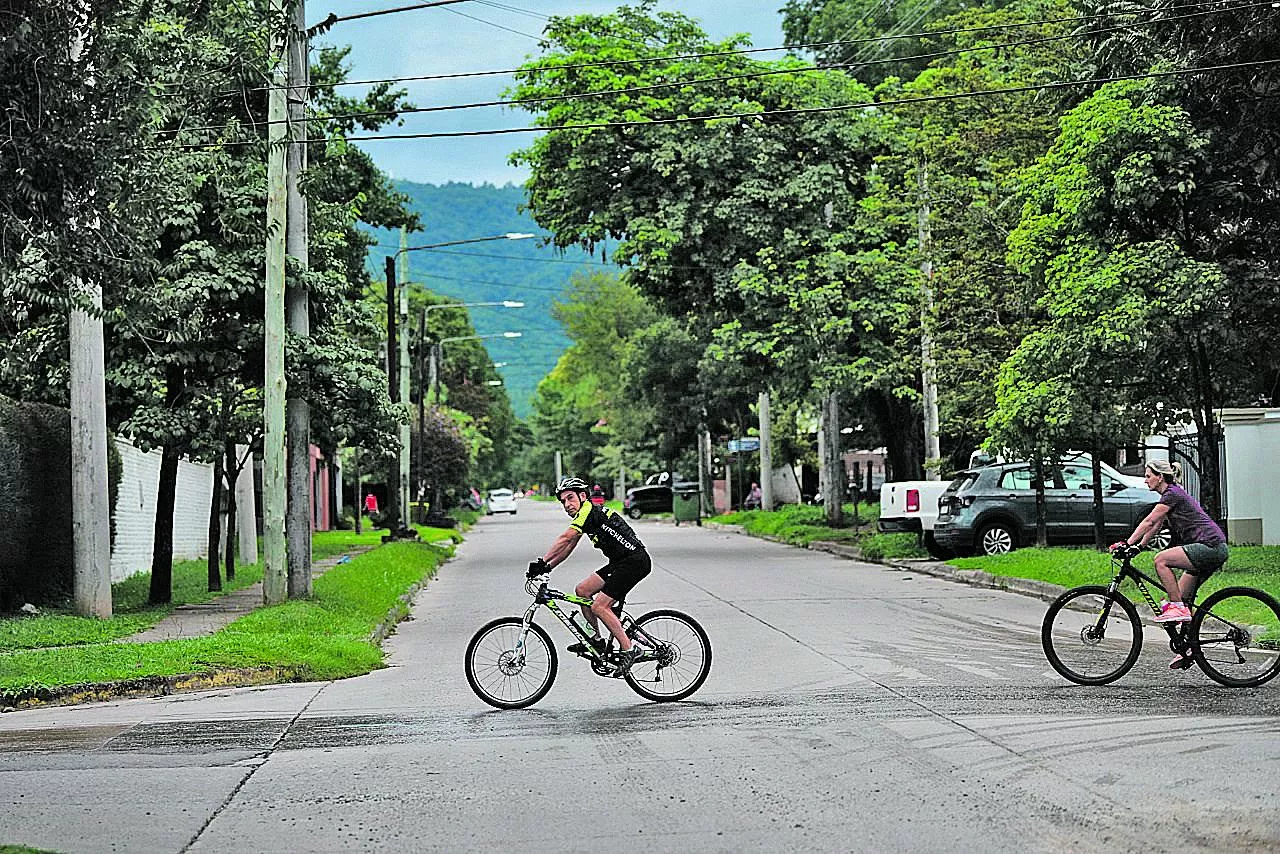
[136, 511]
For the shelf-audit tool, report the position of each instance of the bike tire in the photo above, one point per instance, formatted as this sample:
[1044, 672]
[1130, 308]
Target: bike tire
[492, 672]
[1074, 647]
[679, 658]
[1235, 636]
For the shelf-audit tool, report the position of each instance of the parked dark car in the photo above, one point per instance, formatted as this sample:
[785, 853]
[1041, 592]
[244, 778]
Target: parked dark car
[640, 500]
[992, 510]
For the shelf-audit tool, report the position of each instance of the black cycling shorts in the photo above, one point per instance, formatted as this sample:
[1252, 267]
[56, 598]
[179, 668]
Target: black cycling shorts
[621, 575]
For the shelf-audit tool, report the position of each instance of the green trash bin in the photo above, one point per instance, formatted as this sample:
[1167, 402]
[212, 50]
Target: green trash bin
[686, 504]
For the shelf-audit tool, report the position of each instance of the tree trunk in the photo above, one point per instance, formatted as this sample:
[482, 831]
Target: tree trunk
[1099, 520]
[359, 507]
[215, 527]
[899, 426]
[162, 551]
[1042, 531]
[231, 471]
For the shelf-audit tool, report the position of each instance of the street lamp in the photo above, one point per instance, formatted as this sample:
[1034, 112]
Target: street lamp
[437, 357]
[422, 352]
[439, 350]
[398, 368]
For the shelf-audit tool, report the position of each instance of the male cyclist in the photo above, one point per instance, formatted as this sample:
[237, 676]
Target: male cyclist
[628, 563]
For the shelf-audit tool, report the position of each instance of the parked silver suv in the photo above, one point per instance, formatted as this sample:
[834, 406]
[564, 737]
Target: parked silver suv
[992, 510]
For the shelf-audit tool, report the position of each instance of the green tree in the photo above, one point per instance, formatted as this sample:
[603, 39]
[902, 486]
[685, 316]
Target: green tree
[1118, 224]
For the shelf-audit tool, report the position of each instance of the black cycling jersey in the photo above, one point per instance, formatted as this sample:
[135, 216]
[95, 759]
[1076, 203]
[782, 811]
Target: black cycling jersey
[608, 531]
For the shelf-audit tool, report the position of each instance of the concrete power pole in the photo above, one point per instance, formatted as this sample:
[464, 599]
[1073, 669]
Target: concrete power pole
[831, 477]
[766, 454]
[90, 503]
[405, 432]
[297, 305]
[274, 569]
[928, 368]
[393, 392]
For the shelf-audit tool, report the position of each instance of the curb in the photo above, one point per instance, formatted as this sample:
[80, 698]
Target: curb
[973, 577]
[149, 686]
[159, 686]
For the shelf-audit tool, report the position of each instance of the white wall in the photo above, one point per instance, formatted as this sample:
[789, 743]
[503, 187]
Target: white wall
[136, 511]
[1252, 444]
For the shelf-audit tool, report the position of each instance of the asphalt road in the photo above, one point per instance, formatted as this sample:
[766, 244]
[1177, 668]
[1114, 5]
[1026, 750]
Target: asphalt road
[850, 707]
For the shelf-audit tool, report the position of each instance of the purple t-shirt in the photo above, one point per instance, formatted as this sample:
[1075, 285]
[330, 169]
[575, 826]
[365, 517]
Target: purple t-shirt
[1188, 520]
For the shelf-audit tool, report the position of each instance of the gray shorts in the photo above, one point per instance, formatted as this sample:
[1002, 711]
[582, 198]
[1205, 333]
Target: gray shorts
[1205, 560]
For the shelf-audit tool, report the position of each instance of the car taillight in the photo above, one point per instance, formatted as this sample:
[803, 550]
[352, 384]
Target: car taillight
[913, 500]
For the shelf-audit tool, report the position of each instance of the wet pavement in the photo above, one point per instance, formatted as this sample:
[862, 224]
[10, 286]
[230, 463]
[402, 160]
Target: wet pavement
[850, 707]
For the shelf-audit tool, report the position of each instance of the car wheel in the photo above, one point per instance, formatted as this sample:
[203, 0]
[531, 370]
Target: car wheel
[1160, 540]
[634, 512]
[936, 550]
[996, 539]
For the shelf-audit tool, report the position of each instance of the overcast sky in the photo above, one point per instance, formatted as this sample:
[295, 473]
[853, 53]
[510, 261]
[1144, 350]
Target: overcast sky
[442, 41]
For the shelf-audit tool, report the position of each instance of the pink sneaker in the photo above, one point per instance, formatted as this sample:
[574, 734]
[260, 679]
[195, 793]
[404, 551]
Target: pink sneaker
[1173, 612]
[1181, 662]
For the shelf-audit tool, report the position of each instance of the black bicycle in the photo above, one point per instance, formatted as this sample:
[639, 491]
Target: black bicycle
[1092, 635]
[511, 662]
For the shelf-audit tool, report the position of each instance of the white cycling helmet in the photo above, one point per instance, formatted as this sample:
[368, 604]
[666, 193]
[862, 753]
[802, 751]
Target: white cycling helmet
[577, 484]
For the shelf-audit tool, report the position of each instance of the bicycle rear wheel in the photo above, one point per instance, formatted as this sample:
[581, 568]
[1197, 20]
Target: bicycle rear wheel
[676, 659]
[504, 678]
[1236, 637]
[1091, 635]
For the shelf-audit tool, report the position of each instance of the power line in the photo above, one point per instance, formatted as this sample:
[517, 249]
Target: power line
[812, 46]
[334, 18]
[492, 24]
[855, 64]
[515, 9]
[797, 111]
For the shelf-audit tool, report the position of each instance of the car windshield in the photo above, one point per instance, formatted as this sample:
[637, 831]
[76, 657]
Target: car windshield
[500, 493]
[963, 481]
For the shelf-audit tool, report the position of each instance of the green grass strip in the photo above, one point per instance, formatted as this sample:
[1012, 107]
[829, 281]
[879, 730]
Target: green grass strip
[802, 524]
[324, 637]
[1249, 566]
[130, 612]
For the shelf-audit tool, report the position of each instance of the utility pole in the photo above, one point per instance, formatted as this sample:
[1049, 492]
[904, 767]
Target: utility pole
[90, 502]
[297, 305]
[405, 432]
[393, 392]
[766, 454]
[831, 478]
[422, 411]
[928, 368]
[274, 570]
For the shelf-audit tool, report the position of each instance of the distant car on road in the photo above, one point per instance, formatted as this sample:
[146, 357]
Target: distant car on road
[640, 500]
[992, 510]
[500, 501]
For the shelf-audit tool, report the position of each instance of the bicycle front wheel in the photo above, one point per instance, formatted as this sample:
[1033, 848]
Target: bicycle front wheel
[1091, 635]
[507, 677]
[1236, 637]
[676, 656]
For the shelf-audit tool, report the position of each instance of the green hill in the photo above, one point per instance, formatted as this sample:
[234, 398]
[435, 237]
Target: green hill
[522, 270]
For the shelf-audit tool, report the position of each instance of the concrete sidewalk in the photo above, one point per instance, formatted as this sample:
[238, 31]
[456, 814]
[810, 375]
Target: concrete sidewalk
[193, 621]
